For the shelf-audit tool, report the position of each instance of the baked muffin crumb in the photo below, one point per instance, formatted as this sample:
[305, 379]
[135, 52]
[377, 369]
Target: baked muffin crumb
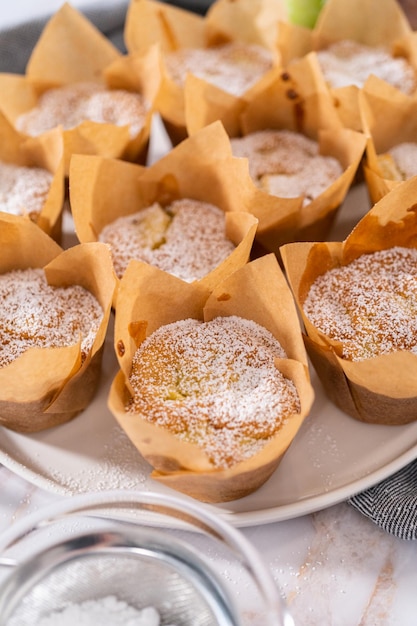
[347, 62]
[186, 238]
[287, 164]
[35, 314]
[233, 67]
[400, 162]
[71, 105]
[369, 305]
[213, 384]
[23, 190]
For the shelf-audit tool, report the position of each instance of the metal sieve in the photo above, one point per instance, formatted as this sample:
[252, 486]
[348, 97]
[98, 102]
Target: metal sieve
[144, 549]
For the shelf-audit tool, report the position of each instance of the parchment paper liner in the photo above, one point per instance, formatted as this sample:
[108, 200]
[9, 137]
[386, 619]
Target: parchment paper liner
[370, 22]
[150, 22]
[296, 100]
[16, 150]
[71, 50]
[148, 299]
[383, 389]
[201, 167]
[48, 386]
[389, 118]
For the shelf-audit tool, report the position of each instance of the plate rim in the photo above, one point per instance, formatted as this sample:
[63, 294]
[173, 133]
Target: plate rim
[242, 519]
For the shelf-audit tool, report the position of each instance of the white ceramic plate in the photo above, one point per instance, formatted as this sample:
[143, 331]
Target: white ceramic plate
[332, 457]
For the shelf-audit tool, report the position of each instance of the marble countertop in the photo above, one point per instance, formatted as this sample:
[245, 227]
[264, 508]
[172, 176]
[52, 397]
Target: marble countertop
[334, 567]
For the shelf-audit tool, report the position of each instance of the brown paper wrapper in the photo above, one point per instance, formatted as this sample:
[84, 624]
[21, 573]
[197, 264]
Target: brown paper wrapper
[246, 293]
[150, 22]
[381, 390]
[297, 100]
[253, 21]
[370, 22]
[201, 168]
[389, 118]
[16, 150]
[45, 387]
[71, 50]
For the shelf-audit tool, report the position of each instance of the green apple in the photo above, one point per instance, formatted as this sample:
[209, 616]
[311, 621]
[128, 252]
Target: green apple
[304, 12]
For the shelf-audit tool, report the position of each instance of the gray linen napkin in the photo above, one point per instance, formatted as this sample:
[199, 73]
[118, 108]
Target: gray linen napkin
[16, 43]
[392, 503]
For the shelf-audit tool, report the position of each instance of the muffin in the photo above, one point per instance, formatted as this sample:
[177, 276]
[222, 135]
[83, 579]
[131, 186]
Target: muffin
[23, 190]
[38, 315]
[30, 185]
[357, 299]
[212, 389]
[55, 311]
[227, 52]
[287, 164]
[233, 67]
[206, 383]
[353, 41]
[187, 214]
[71, 105]
[367, 306]
[390, 122]
[290, 125]
[348, 62]
[78, 82]
[186, 238]
[399, 163]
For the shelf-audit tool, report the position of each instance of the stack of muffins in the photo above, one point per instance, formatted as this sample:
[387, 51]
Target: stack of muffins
[214, 259]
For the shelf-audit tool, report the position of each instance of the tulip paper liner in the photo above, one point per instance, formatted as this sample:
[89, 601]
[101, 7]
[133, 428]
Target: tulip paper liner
[18, 151]
[389, 119]
[148, 299]
[382, 389]
[150, 22]
[72, 50]
[45, 387]
[202, 168]
[369, 22]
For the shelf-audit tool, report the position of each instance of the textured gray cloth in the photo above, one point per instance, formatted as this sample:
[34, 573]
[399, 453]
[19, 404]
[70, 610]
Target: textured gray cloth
[392, 503]
[17, 43]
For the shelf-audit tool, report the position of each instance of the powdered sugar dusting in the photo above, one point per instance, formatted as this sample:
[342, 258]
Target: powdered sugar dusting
[106, 610]
[287, 164]
[186, 238]
[70, 105]
[369, 305]
[35, 314]
[117, 463]
[233, 67]
[348, 62]
[405, 158]
[214, 384]
[23, 190]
